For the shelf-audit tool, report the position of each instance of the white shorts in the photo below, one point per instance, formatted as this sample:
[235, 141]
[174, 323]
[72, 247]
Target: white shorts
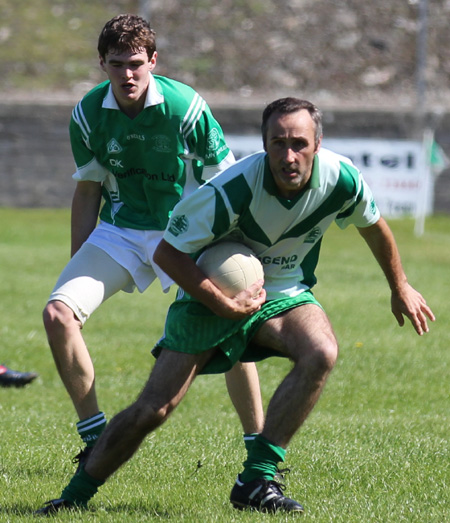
[111, 259]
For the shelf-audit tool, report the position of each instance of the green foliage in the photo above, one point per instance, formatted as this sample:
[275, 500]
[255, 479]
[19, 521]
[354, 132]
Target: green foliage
[375, 449]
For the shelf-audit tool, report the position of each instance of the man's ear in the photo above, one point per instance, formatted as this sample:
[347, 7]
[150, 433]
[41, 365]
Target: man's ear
[102, 62]
[152, 61]
[319, 144]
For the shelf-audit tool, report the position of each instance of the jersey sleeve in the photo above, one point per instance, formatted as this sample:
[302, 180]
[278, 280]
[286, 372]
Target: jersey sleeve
[361, 210]
[205, 140]
[88, 168]
[189, 230]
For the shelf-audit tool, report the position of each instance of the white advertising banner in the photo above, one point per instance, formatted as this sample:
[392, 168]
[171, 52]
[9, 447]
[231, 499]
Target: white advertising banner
[396, 170]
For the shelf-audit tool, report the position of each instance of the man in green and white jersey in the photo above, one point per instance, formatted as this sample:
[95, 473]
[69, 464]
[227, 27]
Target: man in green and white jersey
[147, 162]
[243, 204]
[279, 202]
[140, 142]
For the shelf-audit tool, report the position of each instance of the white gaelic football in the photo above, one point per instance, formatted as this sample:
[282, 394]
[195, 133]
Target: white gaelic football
[231, 266]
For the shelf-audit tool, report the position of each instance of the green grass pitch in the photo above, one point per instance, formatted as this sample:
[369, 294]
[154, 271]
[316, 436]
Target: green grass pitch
[375, 448]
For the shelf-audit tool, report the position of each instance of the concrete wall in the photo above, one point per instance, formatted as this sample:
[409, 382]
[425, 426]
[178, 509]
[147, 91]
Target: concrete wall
[36, 161]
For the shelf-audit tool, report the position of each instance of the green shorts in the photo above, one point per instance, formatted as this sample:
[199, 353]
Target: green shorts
[193, 328]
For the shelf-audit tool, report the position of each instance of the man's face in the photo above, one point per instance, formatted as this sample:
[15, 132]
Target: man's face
[291, 148]
[128, 73]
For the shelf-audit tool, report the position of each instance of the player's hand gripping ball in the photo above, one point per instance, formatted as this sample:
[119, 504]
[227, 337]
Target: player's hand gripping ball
[231, 266]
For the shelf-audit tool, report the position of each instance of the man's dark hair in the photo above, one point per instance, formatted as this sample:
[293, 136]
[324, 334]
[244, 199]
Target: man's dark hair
[291, 105]
[126, 32]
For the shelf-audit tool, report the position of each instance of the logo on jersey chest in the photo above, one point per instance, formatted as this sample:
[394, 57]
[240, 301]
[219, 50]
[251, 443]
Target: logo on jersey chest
[161, 143]
[114, 147]
[286, 262]
[313, 235]
[140, 137]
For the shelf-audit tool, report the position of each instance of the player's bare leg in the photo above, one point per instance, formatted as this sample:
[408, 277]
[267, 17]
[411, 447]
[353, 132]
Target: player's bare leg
[89, 279]
[245, 393]
[71, 357]
[126, 431]
[306, 336]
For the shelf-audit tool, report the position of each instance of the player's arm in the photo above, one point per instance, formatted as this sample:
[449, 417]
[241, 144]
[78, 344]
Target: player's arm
[85, 209]
[405, 300]
[183, 270]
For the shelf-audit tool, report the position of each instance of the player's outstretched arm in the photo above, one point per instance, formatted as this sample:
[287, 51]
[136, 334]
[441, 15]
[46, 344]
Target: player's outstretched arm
[405, 300]
[183, 270]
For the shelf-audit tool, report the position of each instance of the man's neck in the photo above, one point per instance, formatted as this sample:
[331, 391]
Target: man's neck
[133, 110]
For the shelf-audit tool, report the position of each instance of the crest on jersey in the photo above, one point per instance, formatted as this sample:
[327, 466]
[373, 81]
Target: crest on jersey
[114, 147]
[213, 139]
[161, 143]
[313, 235]
[178, 224]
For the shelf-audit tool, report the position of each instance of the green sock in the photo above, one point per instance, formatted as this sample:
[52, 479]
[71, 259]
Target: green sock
[248, 440]
[81, 488]
[262, 461]
[90, 429]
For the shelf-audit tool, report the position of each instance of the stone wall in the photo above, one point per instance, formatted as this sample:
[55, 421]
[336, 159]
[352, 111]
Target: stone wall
[36, 161]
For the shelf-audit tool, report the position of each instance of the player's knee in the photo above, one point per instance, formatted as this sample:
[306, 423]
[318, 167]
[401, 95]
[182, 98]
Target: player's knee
[56, 317]
[147, 417]
[321, 359]
[326, 356]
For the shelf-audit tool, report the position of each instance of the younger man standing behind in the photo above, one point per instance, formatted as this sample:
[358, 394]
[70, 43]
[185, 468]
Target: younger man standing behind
[141, 142]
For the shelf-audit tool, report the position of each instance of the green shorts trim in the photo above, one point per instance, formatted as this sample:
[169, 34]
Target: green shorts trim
[193, 328]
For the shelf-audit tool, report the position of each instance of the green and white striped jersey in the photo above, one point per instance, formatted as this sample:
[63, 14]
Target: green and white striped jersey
[242, 204]
[147, 163]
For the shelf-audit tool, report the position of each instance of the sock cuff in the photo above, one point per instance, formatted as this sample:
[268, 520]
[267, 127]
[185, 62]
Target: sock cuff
[265, 444]
[81, 488]
[91, 422]
[83, 475]
[90, 429]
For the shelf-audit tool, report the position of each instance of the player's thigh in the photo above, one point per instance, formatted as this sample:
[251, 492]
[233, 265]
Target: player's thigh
[89, 279]
[298, 332]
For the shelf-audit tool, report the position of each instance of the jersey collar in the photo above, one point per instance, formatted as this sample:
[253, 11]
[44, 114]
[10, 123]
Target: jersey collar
[153, 97]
